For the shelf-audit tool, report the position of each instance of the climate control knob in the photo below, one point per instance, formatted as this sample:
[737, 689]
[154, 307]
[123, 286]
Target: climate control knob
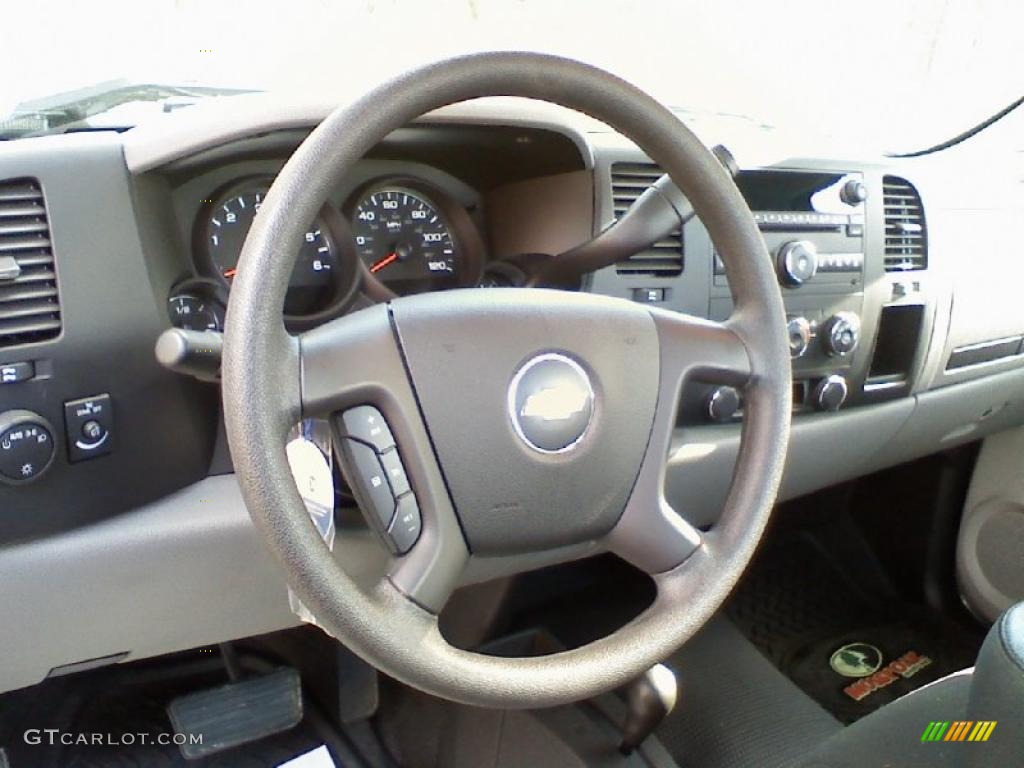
[830, 393]
[797, 262]
[798, 329]
[723, 403]
[841, 334]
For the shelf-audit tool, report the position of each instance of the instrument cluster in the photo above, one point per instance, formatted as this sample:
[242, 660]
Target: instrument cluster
[392, 236]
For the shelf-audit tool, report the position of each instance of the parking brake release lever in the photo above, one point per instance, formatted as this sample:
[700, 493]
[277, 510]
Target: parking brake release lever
[649, 699]
[193, 353]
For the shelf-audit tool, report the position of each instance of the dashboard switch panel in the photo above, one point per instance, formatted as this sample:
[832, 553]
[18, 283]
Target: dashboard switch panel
[14, 373]
[26, 446]
[89, 425]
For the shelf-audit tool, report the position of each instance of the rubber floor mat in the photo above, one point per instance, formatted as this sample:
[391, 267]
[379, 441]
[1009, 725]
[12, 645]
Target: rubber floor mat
[846, 641]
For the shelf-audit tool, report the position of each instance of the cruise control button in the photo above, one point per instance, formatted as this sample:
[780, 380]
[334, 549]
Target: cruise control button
[395, 471]
[366, 423]
[405, 528]
[371, 485]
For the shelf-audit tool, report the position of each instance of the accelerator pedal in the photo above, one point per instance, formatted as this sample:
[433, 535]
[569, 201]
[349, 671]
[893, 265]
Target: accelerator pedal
[237, 713]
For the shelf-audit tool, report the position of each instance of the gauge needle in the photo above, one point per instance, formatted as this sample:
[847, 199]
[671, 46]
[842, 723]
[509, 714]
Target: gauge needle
[230, 272]
[389, 259]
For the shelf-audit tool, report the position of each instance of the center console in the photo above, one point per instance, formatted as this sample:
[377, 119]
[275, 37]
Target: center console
[813, 226]
[848, 245]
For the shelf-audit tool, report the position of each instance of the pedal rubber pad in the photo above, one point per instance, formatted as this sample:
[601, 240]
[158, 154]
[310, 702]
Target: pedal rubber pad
[237, 713]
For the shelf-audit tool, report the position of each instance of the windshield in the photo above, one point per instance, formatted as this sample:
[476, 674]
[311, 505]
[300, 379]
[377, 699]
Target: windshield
[896, 75]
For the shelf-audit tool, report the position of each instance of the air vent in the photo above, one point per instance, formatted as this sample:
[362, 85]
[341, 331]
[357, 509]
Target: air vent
[906, 240]
[665, 257]
[29, 307]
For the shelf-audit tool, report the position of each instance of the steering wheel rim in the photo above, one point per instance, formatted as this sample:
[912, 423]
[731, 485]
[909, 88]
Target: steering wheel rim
[271, 380]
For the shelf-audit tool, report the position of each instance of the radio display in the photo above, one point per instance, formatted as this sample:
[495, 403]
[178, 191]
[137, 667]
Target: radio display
[795, 191]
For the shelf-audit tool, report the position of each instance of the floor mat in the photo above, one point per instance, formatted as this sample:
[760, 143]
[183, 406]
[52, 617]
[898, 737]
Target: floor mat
[124, 710]
[840, 635]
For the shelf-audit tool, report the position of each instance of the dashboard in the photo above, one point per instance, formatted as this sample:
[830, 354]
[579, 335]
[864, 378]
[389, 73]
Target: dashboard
[902, 345]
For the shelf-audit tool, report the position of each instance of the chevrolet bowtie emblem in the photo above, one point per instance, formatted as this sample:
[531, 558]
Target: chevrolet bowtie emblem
[550, 403]
[556, 403]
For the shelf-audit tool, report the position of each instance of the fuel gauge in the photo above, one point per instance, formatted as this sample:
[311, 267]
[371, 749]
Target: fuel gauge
[195, 313]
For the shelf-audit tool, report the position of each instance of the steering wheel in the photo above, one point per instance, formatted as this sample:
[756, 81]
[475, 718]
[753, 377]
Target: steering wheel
[526, 420]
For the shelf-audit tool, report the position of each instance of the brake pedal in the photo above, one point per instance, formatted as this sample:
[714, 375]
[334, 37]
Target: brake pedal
[237, 713]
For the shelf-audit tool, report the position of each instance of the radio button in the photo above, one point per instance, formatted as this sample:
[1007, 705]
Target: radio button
[798, 329]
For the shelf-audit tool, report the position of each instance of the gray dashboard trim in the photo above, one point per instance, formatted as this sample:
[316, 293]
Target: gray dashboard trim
[179, 573]
[217, 122]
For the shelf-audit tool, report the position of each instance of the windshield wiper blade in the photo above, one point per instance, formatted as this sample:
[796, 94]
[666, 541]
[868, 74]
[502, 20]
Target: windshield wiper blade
[47, 115]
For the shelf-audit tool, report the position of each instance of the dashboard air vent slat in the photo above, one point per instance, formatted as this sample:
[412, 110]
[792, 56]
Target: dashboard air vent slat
[665, 257]
[29, 301]
[906, 238]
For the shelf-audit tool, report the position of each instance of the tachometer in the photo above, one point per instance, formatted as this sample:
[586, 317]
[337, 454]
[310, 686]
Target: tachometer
[313, 285]
[406, 240]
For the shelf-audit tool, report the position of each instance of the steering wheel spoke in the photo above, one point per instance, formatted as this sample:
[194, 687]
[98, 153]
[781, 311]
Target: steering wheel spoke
[385, 450]
[651, 534]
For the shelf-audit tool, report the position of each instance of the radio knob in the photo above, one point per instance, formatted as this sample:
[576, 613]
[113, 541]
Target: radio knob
[797, 262]
[853, 192]
[799, 331]
[723, 404]
[830, 393]
[842, 334]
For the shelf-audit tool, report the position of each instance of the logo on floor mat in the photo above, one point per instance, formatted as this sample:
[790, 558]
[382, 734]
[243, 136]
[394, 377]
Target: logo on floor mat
[906, 666]
[959, 730]
[856, 660]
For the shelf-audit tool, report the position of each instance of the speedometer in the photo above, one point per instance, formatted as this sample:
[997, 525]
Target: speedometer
[406, 241]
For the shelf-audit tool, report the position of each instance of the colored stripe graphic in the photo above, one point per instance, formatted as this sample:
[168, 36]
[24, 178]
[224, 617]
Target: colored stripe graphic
[958, 730]
[982, 730]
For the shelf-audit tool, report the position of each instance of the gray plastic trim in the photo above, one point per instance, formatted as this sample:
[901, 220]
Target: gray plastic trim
[997, 487]
[179, 573]
[216, 122]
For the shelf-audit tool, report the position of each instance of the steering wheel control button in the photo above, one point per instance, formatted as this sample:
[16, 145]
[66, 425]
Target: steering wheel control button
[395, 471]
[365, 423]
[405, 528]
[551, 403]
[26, 446]
[14, 373]
[89, 423]
[369, 481]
